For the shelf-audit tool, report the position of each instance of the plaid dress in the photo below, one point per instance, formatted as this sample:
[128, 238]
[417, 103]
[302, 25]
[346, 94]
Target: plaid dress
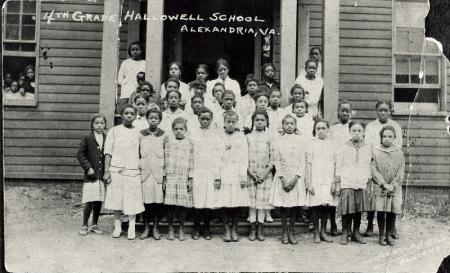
[178, 167]
[259, 148]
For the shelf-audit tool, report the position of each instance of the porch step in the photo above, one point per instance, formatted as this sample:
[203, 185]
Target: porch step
[274, 228]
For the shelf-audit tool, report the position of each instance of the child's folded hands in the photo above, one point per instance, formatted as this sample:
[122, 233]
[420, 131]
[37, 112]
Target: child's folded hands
[217, 184]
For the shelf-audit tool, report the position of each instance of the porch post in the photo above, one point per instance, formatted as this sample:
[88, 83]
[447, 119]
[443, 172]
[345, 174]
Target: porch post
[288, 47]
[331, 58]
[110, 61]
[154, 45]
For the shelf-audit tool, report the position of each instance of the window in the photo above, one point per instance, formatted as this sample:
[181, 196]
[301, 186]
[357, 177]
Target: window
[20, 52]
[418, 69]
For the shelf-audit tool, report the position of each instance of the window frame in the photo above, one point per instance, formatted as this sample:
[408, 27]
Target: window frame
[424, 109]
[12, 53]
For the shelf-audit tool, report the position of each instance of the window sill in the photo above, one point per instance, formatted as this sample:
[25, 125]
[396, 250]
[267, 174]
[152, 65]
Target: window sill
[421, 113]
[20, 103]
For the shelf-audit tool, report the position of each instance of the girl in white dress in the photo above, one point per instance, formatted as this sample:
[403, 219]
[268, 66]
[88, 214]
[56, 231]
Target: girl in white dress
[141, 105]
[288, 189]
[126, 78]
[122, 173]
[275, 112]
[175, 70]
[206, 172]
[222, 69]
[320, 165]
[305, 124]
[174, 110]
[151, 146]
[340, 134]
[313, 86]
[232, 194]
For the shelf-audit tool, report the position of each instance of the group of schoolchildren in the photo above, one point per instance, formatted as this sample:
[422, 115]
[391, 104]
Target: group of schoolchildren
[19, 86]
[207, 149]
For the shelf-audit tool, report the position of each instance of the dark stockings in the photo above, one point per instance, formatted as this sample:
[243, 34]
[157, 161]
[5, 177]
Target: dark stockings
[154, 212]
[285, 213]
[204, 215]
[319, 212]
[332, 213]
[370, 216]
[95, 207]
[181, 213]
[227, 214]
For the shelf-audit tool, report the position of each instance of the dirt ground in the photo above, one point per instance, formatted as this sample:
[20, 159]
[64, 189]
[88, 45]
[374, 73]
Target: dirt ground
[41, 234]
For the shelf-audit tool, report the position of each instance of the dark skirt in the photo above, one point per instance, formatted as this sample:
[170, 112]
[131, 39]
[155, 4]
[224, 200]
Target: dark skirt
[352, 200]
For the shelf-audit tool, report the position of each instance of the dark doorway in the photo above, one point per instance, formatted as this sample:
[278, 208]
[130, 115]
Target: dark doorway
[194, 48]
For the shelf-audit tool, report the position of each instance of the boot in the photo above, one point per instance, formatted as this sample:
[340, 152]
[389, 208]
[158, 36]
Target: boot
[323, 235]
[146, 233]
[333, 230]
[369, 230]
[260, 233]
[389, 240]
[234, 235]
[381, 238]
[316, 235]
[171, 234]
[156, 234]
[206, 231]
[252, 235]
[344, 235]
[181, 235]
[284, 237]
[356, 237]
[291, 237]
[227, 234]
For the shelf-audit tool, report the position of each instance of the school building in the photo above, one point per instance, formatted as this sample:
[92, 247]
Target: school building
[372, 49]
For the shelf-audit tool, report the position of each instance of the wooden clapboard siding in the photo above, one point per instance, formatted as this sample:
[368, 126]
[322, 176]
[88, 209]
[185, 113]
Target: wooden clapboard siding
[365, 54]
[315, 21]
[41, 142]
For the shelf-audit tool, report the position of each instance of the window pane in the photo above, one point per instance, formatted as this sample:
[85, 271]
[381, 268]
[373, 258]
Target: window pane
[28, 32]
[12, 32]
[415, 70]
[423, 95]
[13, 6]
[28, 47]
[431, 70]
[12, 46]
[12, 19]
[29, 6]
[402, 70]
[29, 19]
[417, 40]
[402, 40]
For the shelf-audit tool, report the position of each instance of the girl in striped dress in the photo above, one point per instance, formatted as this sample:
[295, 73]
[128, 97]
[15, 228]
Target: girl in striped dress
[388, 167]
[288, 189]
[259, 173]
[232, 193]
[151, 145]
[177, 181]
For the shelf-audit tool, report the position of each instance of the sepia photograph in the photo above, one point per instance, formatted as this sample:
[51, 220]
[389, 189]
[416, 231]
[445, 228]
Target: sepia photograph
[226, 135]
